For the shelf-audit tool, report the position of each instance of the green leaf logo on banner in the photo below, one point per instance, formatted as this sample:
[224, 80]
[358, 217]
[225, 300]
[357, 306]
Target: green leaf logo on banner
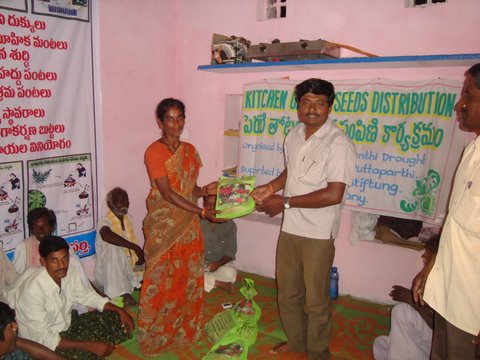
[424, 195]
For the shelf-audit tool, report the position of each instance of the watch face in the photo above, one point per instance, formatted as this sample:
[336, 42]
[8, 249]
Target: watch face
[285, 203]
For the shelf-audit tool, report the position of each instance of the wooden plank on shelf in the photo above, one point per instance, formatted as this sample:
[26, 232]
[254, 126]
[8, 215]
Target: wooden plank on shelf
[232, 132]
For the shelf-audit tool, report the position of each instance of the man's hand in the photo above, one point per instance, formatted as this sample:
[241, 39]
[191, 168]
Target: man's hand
[126, 320]
[402, 294]
[272, 205]
[212, 267]
[418, 286]
[140, 256]
[101, 349]
[260, 193]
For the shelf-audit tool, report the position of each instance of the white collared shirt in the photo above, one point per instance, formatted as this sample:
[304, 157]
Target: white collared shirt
[43, 309]
[327, 156]
[453, 285]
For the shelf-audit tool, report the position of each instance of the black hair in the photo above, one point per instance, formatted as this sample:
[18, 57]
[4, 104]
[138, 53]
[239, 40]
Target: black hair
[166, 104]
[52, 243]
[475, 72]
[7, 316]
[317, 87]
[40, 212]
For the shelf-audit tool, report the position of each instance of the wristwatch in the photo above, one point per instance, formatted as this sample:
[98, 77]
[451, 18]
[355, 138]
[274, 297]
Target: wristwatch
[286, 205]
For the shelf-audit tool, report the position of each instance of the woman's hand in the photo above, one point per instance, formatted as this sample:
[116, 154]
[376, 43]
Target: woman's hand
[211, 215]
[211, 189]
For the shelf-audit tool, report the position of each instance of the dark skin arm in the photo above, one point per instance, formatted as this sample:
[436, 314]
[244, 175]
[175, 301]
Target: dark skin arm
[212, 267]
[172, 197]
[99, 348]
[110, 237]
[37, 351]
[418, 283]
[331, 195]
[402, 294]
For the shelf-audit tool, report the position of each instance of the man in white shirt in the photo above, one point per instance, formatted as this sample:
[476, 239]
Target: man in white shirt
[41, 222]
[320, 164]
[119, 260]
[13, 347]
[411, 327]
[8, 275]
[450, 282]
[43, 299]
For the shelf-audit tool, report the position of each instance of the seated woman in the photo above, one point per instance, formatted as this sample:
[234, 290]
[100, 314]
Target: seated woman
[171, 300]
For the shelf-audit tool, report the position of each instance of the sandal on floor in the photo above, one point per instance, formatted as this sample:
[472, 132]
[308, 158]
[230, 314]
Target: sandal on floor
[280, 348]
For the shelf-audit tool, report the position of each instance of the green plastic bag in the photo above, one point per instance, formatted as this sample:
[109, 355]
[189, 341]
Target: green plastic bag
[235, 330]
[233, 197]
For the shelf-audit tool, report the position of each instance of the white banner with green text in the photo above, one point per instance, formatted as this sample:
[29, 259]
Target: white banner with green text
[406, 135]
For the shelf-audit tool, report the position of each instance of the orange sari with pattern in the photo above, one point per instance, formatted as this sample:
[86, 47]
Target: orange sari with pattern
[170, 312]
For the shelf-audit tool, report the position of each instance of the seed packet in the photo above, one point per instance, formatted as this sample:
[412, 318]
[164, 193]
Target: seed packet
[233, 197]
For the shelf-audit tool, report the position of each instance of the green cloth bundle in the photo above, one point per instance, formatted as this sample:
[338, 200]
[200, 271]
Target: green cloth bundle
[235, 330]
[102, 326]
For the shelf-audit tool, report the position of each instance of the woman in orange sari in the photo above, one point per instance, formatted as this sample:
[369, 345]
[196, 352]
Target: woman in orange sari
[171, 300]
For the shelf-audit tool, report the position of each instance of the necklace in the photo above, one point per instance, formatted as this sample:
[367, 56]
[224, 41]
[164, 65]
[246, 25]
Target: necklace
[172, 149]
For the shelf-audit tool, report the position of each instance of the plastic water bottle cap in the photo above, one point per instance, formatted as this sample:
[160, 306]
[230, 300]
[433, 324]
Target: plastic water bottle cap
[334, 268]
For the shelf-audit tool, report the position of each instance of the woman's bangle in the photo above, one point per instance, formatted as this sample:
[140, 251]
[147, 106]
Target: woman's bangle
[203, 213]
[270, 186]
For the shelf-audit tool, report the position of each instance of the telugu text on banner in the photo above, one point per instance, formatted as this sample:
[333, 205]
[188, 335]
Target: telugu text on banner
[47, 120]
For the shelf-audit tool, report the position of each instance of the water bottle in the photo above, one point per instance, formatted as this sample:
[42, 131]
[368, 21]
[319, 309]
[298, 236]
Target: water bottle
[334, 283]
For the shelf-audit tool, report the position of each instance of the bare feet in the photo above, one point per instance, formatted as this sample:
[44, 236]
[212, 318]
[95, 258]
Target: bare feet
[225, 285]
[280, 348]
[128, 300]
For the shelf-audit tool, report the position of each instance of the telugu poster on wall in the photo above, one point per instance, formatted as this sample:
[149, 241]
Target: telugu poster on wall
[47, 120]
[407, 140]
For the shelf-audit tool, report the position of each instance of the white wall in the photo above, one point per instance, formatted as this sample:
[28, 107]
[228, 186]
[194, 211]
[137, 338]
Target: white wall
[151, 50]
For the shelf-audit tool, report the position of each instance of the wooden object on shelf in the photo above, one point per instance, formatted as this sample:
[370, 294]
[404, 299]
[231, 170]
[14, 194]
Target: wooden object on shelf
[296, 50]
[411, 61]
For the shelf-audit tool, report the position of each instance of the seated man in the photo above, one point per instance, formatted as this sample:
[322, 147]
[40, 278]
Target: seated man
[220, 241]
[13, 347]
[120, 261]
[410, 335]
[8, 275]
[43, 222]
[43, 298]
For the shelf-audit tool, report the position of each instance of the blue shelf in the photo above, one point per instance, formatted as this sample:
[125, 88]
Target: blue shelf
[411, 61]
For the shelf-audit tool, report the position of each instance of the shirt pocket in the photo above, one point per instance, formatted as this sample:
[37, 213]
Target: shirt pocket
[312, 171]
[467, 211]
